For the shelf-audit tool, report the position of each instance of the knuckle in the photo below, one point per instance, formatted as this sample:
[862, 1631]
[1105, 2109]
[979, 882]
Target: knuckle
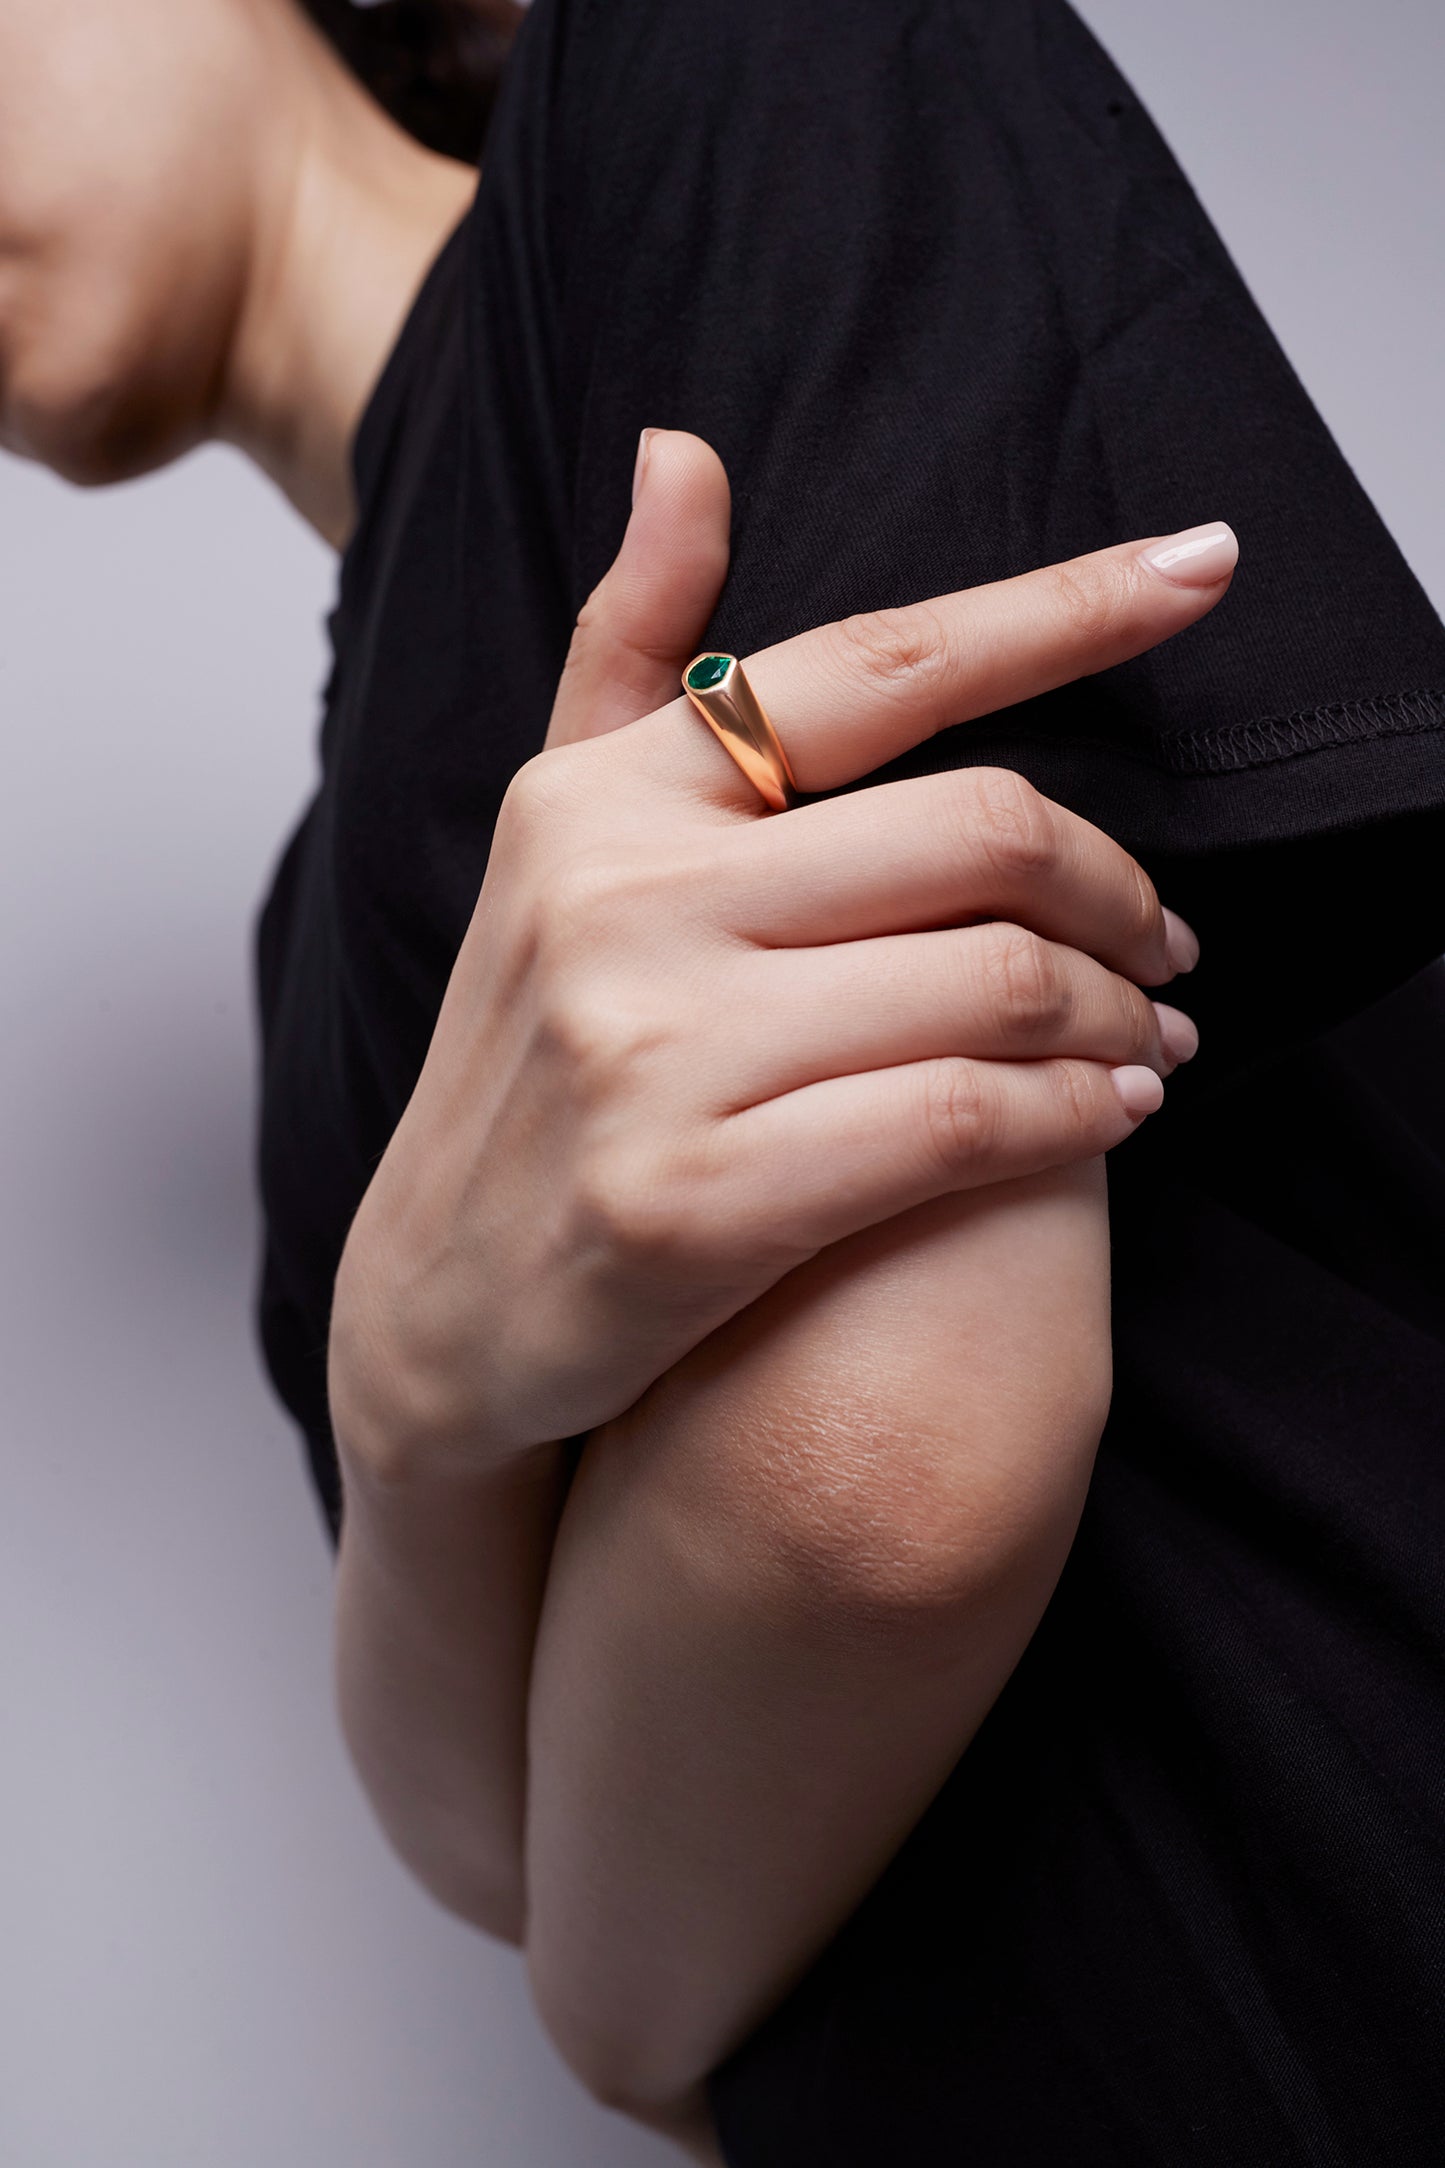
[592, 621]
[897, 652]
[1096, 600]
[615, 618]
[626, 1206]
[1076, 1099]
[1030, 991]
[1145, 915]
[959, 1114]
[1140, 1024]
[595, 612]
[605, 1040]
[1013, 826]
[533, 795]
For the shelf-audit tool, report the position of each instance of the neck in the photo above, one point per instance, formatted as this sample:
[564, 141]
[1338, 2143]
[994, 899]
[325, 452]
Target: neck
[350, 212]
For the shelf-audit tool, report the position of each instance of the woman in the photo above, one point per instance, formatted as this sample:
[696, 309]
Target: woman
[790, 1579]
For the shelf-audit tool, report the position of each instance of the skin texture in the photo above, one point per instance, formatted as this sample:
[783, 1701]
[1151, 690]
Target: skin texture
[599, 1164]
[838, 1324]
[790, 1579]
[205, 166]
[806, 1565]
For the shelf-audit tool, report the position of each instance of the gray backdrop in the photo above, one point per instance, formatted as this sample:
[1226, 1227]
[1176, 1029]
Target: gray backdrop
[209, 1961]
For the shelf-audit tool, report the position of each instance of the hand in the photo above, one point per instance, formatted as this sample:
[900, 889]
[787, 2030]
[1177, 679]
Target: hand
[686, 1047]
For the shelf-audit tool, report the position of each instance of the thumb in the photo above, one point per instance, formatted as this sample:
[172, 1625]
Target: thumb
[649, 613]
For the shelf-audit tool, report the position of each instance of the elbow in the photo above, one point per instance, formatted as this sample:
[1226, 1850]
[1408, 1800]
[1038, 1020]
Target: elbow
[479, 1884]
[917, 1547]
[496, 1909]
[627, 2067]
[600, 2066]
[482, 1893]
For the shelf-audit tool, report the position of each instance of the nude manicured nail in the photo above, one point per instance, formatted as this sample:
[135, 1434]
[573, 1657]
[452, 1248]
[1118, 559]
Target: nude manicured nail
[1181, 942]
[1178, 1033]
[1199, 557]
[644, 446]
[1140, 1091]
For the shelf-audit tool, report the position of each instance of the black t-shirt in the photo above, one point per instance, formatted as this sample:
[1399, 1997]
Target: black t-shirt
[927, 277]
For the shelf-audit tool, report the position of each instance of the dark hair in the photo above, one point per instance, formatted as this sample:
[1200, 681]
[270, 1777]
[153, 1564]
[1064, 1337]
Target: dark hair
[433, 64]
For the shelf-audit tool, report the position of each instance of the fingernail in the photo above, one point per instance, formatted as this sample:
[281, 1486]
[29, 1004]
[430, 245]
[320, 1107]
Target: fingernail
[644, 446]
[1140, 1091]
[1178, 1033]
[1181, 942]
[1199, 557]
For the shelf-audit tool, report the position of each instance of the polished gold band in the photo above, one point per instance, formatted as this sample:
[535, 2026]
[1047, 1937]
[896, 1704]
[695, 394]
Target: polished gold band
[718, 688]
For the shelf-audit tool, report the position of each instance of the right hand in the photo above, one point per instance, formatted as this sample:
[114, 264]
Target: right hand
[686, 1047]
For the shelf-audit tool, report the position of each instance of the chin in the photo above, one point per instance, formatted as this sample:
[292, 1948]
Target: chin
[96, 434]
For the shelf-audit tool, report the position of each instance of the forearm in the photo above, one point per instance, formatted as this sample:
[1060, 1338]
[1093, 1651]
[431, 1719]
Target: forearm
[739, 1770]
[439, 1588]
[785, 1592]
[438, 1596]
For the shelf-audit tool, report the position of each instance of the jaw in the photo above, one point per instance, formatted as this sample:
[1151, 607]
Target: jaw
[90, 383]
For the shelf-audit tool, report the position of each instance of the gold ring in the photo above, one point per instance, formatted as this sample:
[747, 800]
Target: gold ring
[718, 688]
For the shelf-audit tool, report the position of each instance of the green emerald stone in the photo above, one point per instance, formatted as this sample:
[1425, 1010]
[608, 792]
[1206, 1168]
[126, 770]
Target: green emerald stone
[707, 671]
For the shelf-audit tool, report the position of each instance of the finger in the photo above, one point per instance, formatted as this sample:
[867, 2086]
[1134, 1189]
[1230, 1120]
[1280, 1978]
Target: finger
[993, 992]
[649, 612]
[943, 850]
[841, 1155]
[854, 695]
[851, 696]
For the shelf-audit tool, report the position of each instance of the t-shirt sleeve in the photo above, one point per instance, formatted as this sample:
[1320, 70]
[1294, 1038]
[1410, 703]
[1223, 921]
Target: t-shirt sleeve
[926, 275]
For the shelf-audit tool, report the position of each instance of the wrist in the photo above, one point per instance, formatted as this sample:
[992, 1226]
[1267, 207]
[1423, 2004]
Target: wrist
[419, 1506]
[399, 1472]
[400, 1427]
